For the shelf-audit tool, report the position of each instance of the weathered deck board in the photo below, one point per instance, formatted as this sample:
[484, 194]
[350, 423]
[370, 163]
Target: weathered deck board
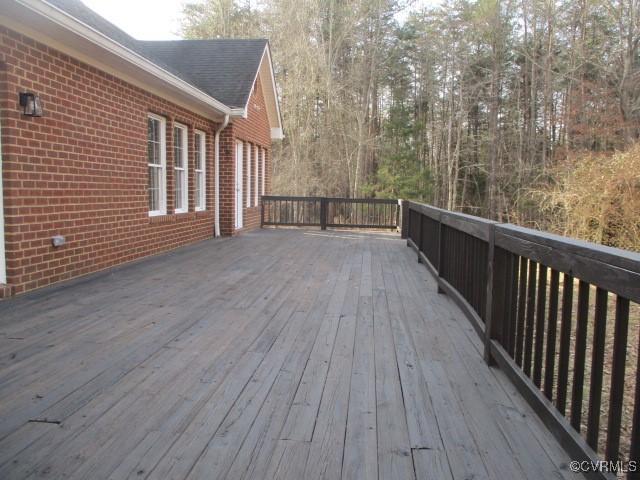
[279, 354]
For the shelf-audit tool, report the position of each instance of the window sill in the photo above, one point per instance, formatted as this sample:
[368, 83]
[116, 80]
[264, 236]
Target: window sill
[179, 216]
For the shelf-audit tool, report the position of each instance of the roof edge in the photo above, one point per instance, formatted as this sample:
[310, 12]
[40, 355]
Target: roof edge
[77, 27]
[276, 131]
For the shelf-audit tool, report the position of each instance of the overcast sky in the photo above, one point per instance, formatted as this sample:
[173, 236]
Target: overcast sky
[142, 19]
[156, 19]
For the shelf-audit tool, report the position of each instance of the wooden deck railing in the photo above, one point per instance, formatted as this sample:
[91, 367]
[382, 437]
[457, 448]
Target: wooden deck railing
[527, 293]
[326, 212]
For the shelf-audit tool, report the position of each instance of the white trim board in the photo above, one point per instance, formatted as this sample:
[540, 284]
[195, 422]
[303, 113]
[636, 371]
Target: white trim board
[184, 141]
[273, 106]
[239, 187]
[163, 165]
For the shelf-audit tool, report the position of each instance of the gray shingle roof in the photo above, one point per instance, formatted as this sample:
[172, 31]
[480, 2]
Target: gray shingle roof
[223, 68]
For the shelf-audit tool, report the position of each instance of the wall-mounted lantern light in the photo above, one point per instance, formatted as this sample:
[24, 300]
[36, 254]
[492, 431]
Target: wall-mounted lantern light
[31, 104]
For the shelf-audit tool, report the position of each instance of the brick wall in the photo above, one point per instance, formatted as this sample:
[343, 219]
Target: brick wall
[252, 131]
[81, 169]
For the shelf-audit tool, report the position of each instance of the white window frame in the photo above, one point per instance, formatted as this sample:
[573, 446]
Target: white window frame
[162, 166]
[264, 170]
[239, 181]
[184, 133]
[256, 153]
[202, 188]
[248, 171]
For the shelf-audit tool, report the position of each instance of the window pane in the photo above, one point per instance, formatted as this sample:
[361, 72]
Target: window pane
[153, 141]
[198, 186]
[156, 153]
[177, 146]
[179, 181]
[154, 188]
[197, 152]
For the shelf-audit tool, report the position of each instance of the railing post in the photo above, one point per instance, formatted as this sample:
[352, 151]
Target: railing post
[496, 287]
[420, 225]
[404, 216]
[262, 212]
[323, 213]
[440, 260]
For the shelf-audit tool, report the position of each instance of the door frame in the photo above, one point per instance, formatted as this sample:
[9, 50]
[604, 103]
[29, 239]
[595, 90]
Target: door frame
[239, 190]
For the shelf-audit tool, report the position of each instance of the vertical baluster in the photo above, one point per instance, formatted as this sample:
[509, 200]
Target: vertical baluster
[531, 297]
[479, 280]
[420, 234]
[565, 342]
[552, 327]
[512, 301]
[522, 302]
[368, 215]
[597, 366]
[539, 335]
[617, 378]
[579, 355]
[634, 451]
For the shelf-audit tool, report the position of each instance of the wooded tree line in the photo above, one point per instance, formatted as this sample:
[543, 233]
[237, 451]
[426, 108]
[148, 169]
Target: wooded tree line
[479, 106]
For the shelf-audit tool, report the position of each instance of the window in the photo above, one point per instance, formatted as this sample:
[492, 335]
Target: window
[248, 170]
[264, 170]
[180, 168]
[157, 161]
[200, 172]
[257, 186]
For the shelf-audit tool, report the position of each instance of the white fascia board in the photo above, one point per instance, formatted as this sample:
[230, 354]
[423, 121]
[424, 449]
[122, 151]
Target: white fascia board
[266, 53]
[273, 85]
[240, 112]
[63, 19]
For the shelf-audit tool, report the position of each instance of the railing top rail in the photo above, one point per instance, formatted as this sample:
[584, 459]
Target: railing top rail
[290, 197]
[625, 259]
[615, 270]
[476, 226]
[428, 210]
[389, 201]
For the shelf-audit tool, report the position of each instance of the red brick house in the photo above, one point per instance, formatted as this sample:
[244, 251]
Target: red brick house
[113, 149]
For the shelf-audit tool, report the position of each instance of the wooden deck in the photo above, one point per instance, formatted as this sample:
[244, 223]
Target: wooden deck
[278, 354]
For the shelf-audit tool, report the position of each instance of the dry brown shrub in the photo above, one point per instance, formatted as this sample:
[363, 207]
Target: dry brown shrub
[596, 197]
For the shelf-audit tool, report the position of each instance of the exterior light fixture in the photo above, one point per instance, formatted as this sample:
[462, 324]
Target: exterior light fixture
[31, 104]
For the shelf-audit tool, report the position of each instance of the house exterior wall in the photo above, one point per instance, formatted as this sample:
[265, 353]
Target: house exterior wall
[254, 131]
[81, 170]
